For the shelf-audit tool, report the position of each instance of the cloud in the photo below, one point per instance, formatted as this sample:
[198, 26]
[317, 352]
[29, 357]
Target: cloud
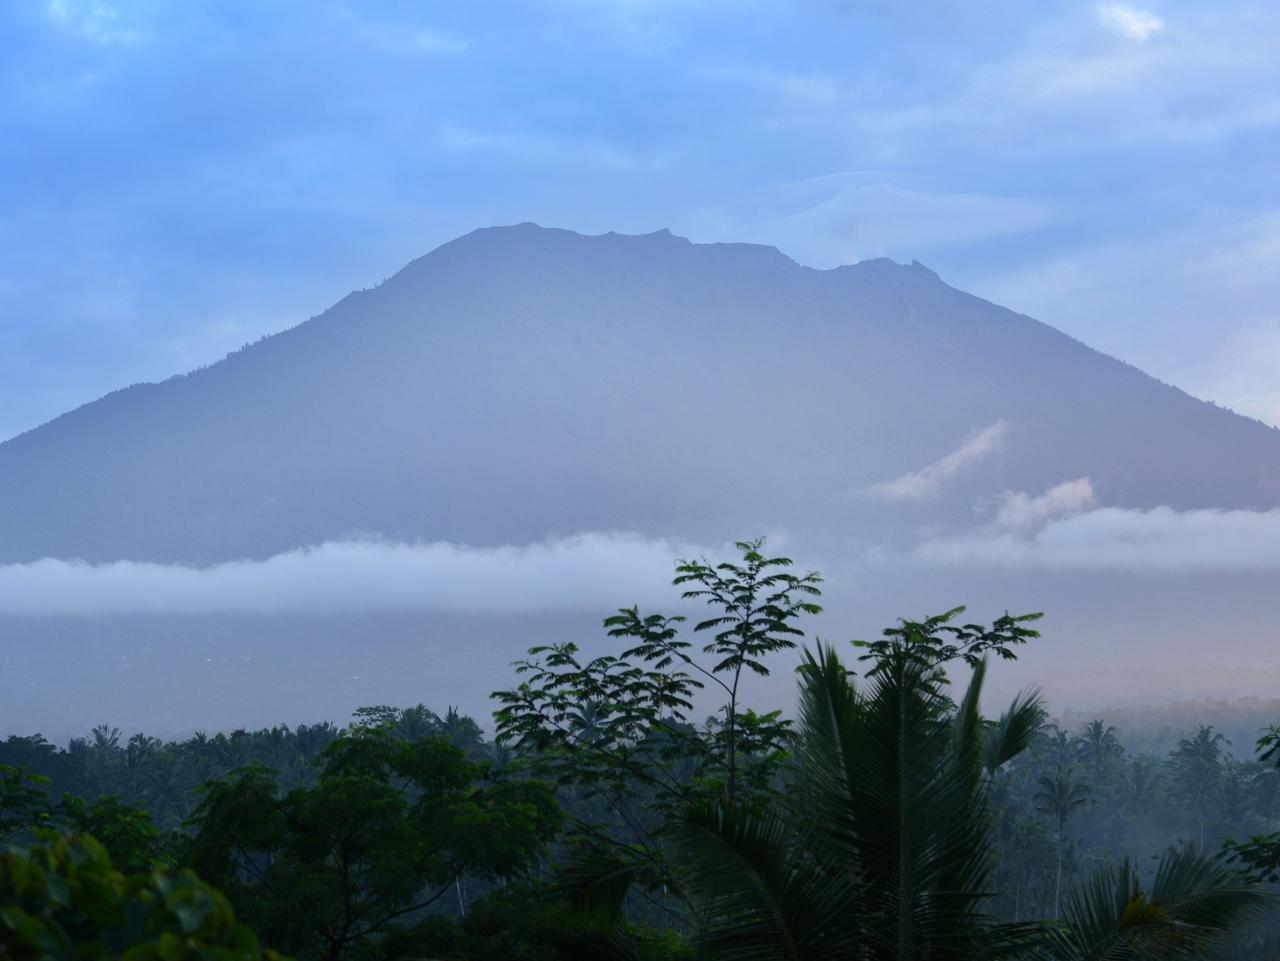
[1068, 84]
[94, 20]
[925, 483]
[593, 571]
[1159, 540]
[1020, 510]
[433, 41]
[1129, 21]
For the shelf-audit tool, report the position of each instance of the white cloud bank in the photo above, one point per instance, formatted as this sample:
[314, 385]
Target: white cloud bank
[926, 482]
[1112, 538]
[594, 571]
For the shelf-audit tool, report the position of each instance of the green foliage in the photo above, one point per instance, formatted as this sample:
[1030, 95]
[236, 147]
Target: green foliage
[1260, 855]
[620, 725]
[524, 923]
[1198, 771]
[879, 847]
[936, 641]
[127, 833]
[756, 602]
[23, 802]
[1060, 796]
[388, 829]
[1013, 731]
[1269, 745]
[62, 898]
[1192, 902]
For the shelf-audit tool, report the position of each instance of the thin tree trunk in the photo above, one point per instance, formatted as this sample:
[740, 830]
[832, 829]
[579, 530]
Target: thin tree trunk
[1057, 884]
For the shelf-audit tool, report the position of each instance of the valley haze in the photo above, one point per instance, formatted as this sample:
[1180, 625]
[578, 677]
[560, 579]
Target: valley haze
[520, 431]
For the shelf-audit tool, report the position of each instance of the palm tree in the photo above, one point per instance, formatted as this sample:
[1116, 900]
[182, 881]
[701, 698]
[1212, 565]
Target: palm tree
[1060, 796]
[1097, 744]
[106, 738]
[139, 755]
[1198, 765]
[1062, 749]
[274, 747]
[311, 739]
[881, 848]
[1142, 783]
[417, 722]
[461, 731]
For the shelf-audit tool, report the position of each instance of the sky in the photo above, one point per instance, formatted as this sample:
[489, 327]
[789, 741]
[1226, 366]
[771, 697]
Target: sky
[177, 180]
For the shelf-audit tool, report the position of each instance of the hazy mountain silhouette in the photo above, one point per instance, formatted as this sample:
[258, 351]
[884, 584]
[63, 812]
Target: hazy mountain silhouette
[521, 382]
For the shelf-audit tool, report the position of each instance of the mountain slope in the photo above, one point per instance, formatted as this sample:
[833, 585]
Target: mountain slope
[521, 382]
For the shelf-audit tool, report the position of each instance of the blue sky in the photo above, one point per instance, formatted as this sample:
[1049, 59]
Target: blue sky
[177, 179]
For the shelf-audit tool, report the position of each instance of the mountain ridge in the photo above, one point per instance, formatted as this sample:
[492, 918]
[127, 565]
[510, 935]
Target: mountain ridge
[581, 365]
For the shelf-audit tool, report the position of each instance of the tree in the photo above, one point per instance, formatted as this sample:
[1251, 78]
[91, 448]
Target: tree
[62, 898]
[1142, 783]
[389, 828]
[1058, 747]
[618, 726]
[1098, 744]
[23, 802]
[125, 832]
[1198, 769]
[879, 847]
[1260, 855]
[1060, 796]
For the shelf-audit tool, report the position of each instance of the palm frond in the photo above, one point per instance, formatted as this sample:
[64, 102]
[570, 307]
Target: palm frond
[596, 884]
[888, 783]
[1194, 899]
[761, 896]
[1202, 893]
[1015, 730]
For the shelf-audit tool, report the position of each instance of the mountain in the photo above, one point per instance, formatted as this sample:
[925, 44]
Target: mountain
[521, 382]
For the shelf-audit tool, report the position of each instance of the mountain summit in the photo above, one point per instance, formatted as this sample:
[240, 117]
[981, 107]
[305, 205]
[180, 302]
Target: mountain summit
[521, 382]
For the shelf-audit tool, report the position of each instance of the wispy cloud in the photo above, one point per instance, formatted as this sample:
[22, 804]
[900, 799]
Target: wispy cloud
[1071, 83]
[594, 571]
[97, 21]
[1129, 21]
[926, 482]
[1021, 510]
